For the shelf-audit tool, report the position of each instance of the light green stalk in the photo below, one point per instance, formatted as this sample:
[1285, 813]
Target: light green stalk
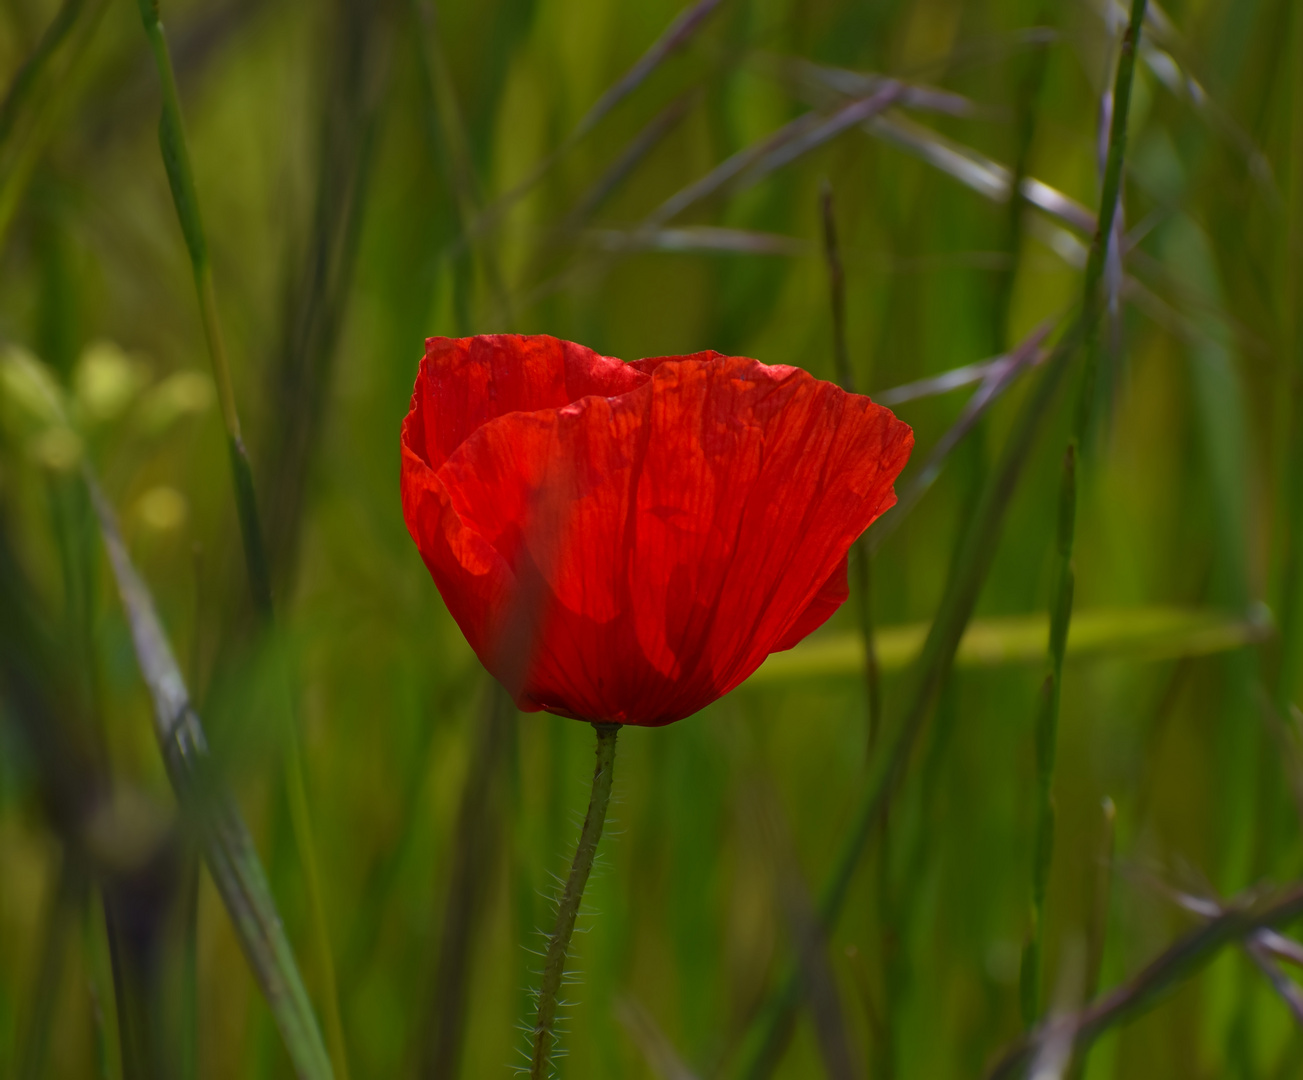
[176, 160]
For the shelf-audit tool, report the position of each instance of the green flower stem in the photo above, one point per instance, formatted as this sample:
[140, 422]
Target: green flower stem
[568, 910]
[1047, 721]
[180, 175]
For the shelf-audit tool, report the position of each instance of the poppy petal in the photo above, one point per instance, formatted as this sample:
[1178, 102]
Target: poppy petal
[826, 601]
[465, 382]
[678, 532]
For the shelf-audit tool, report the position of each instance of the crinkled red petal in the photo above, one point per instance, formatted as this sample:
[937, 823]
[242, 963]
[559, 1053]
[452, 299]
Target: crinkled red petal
[635, 552]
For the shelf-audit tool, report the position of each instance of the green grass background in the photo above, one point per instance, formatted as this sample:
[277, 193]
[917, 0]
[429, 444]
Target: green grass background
[340, 148]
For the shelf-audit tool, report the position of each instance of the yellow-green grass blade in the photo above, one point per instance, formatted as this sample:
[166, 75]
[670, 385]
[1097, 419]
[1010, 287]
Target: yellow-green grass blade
[1153, 633]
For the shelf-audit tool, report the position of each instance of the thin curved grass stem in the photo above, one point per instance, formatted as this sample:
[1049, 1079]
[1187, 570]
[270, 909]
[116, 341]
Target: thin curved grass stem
[558, 944]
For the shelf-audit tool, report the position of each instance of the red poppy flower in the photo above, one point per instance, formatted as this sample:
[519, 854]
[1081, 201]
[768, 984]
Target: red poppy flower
[627, 542]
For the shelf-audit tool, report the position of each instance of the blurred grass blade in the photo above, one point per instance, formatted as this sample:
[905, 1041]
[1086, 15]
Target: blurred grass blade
[29, 74]
[954, 379]
[617, 241]
[1290, 604]
[1284, 986]
[61, 917]
[1166, 971]
[444, 121]
[476, 849]
[730, 168]
[1168, 58]
[676, 36]
[1145, 635]
[628, 160]
[845, 118]
[769, 1034]
[657, 1050]
[681, 31]
[227, 846]
[779, 148]
[39, 98]
[706, 239]
[987, 177]
[811, 76]
[180, 175]
[809, 940]
[999, 377]
[320, 281]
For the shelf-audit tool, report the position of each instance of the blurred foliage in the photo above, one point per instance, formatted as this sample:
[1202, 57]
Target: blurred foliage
[371, 173]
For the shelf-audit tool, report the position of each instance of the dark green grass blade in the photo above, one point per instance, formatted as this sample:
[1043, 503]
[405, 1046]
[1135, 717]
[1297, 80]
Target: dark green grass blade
[301, 380]
[29, 75]
[70, 895]
[475, 857]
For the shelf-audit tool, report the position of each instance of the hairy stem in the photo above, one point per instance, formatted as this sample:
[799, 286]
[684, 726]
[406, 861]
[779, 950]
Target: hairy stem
[568, 909]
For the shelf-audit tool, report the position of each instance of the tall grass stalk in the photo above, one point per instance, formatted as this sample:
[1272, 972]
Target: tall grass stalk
[1064, 580]
[176, 160]
[773, 1027]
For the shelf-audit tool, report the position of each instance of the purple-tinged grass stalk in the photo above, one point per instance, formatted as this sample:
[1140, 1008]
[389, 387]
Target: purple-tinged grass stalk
[974, 170]
[998, 377]
[176, 161]
[676, 36]
[781, 147]
[228, 848]
[1236, 922]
